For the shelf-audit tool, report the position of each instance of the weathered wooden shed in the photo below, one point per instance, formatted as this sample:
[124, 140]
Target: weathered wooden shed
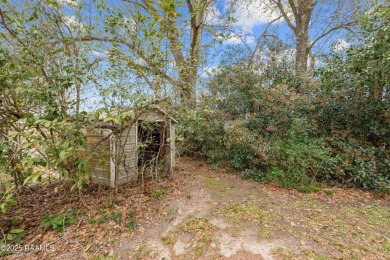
[120, 158]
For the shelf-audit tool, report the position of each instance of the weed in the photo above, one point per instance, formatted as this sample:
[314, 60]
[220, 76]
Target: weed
[159, 192]
[329, 191]
[58, 222]
[142, 252]
[213, 183]
[110, 202]
[13, 236]
[202, 231]
[262, 233]
[171, 238]
[132, 221]
[114, 216]
[216, 166]
[309, 188]
[170, 212]
[244, 211]
[97, 220]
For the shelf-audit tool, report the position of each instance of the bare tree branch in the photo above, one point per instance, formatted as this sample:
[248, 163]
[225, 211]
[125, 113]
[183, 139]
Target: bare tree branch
[250, 61]
[341, 26]
[284, 13]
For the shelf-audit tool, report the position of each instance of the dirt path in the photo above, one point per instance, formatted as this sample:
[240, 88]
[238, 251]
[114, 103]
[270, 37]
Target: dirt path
[204, 214]
[221, 216]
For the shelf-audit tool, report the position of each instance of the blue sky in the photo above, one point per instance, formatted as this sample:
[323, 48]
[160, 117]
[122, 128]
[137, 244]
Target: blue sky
[250, 22]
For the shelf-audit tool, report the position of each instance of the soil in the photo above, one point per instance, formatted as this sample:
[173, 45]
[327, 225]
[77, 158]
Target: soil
[207, 214]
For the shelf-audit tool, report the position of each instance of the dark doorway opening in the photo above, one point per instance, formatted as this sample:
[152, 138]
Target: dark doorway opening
[151, 139]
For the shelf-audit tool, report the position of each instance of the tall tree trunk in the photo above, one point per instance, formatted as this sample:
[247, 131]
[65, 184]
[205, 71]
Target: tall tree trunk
[302, 53]
[189, 77]
[188, 86]
[377, 87]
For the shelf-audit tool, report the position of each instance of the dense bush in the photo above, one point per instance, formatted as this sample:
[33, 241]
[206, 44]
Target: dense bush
[359, 164]
[331, 126]
[296, 156]
[296, 139]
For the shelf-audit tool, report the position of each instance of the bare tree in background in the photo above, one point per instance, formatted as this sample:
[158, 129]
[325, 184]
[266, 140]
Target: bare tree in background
[154, 27]
[316, 18]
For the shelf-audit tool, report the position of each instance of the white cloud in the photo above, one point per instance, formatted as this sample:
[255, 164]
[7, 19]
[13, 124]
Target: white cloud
[239, 40]
[72, 22]
[209, 72]
[213, 16]
[69, 2]
[253, 13]
[341, 45]
[140, 61]
[286, 55]
[235, 39]
[129, 23]
[97, 53]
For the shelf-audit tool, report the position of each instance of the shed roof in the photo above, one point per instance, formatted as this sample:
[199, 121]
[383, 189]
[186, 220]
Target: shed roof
[155, 108]
[160, 110]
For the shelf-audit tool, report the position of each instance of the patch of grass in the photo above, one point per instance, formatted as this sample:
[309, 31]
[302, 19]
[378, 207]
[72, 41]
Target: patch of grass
[159, 192]
[201, 232]
[284, 253]
[244, 211]
[216, 166]
[309, 188]
[357, 230]
[310, 254]
[376, 214]
[171, 238]
[288, 254]
[386, 248]
[218, 185]
[200, 164]
[329, 191]
[213, 183]
[170, 212]
[263, 233]
[97, 220]
[105, 256]
[143, 252]
[193, 224]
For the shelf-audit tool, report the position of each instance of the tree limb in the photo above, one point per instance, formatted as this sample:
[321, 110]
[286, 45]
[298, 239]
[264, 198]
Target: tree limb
[250, 61]
[341, 26]
[285, 16]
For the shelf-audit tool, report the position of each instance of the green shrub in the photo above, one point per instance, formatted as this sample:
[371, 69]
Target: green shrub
[300, 162]
[159, 192]
[253, 174]
[58, 222]
[295, 139]
[359, 164]
[114, 216]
